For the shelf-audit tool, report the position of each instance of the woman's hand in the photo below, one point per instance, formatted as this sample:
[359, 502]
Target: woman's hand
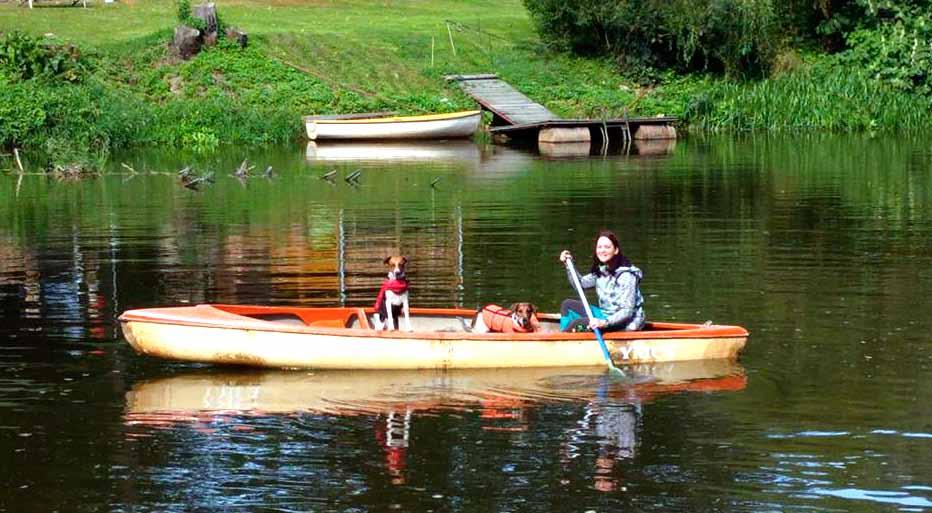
[597, 323]
[565, 254]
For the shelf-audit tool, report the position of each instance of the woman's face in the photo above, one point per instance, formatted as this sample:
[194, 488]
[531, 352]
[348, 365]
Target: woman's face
[605, 250]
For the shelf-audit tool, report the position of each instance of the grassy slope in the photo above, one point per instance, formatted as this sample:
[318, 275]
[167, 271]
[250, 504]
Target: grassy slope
[368, 54]
[334, 56]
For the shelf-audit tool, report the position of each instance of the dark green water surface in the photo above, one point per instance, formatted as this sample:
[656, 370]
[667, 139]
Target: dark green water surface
[821, 247]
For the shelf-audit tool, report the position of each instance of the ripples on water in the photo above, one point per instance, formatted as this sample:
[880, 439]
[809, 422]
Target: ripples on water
[821, 247]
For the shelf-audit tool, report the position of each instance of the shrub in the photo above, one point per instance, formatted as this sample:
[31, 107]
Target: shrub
[23, 57]
[22, 113]
[894, 45]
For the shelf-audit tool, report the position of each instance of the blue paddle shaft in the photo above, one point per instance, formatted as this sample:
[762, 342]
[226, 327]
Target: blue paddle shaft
[585, 302]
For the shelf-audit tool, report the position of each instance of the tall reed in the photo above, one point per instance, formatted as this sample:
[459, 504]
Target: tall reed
[822, 97]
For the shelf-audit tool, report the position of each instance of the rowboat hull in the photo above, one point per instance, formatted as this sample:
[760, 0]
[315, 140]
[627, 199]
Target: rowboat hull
[435, 126]
[342, 338]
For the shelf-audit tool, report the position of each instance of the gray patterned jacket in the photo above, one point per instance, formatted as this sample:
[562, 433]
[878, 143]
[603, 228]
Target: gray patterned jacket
[619, 296]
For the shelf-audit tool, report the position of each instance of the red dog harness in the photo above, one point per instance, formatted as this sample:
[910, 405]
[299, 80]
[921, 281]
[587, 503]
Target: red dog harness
[396, 286]
[501, 320]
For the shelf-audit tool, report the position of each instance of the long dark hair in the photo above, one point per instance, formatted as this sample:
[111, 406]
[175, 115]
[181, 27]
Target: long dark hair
[619, 260]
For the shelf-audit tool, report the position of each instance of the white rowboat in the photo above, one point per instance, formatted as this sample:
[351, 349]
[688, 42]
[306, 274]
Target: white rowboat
[432, 126]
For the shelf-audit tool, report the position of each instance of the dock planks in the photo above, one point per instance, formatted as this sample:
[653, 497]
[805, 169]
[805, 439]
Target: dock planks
[505, 102]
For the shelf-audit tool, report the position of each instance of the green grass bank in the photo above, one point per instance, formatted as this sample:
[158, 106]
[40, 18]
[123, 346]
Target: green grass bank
[338, 56]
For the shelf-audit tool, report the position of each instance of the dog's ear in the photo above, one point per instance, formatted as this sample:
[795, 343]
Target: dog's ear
[513, 307]
[531, 309]
[404, 260]
[387, 259]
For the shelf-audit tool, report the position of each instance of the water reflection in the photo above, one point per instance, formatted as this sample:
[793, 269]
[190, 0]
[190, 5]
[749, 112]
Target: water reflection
[819, 244]
[654, 147]
[75, 291]
[501, 400]
[458, 151]
[564, 149]
[381, 392]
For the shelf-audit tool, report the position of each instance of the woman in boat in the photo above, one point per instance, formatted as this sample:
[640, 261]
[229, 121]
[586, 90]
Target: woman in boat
[617, 283]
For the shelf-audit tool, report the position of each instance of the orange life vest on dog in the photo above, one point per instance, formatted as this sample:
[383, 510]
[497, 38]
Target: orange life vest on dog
[499, 319]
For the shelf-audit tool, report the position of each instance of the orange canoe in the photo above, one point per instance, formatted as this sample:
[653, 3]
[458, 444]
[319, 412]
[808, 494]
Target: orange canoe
[343, 338]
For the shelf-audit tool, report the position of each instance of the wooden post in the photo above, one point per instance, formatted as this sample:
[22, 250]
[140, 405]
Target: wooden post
[30, 4]
[450, 33]
[431, 51]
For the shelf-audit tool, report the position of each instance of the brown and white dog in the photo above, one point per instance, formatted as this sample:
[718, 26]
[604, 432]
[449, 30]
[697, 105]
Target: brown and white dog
[392, 300]
[519, 318]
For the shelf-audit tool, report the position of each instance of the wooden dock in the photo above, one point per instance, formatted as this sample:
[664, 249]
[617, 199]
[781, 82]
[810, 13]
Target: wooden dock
[507, 105]
[520, 118]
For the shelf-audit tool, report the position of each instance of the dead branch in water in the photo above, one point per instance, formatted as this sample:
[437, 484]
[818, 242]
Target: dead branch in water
[19, 163]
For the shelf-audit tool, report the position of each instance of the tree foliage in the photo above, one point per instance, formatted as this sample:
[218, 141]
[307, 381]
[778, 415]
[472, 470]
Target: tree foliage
[891, 40]
[894, 44]
[732, 36]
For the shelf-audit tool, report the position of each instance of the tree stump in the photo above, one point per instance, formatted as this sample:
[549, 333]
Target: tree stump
[208, 13]
[241, 38]
[187, 42]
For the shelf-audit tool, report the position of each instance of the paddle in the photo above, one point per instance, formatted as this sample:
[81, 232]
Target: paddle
[585, 302]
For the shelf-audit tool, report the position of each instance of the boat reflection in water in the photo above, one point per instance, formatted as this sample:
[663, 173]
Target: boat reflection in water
[610, 404]
[443, 150]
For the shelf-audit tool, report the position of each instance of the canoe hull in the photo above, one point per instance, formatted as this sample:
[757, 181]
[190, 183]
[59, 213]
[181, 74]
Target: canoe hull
[210, 335]
[437, 126]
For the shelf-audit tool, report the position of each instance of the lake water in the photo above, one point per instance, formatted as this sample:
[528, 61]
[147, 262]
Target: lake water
[820, 246]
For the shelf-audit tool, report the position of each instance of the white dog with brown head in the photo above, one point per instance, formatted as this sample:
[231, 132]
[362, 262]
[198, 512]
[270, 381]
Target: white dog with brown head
[392, 301]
